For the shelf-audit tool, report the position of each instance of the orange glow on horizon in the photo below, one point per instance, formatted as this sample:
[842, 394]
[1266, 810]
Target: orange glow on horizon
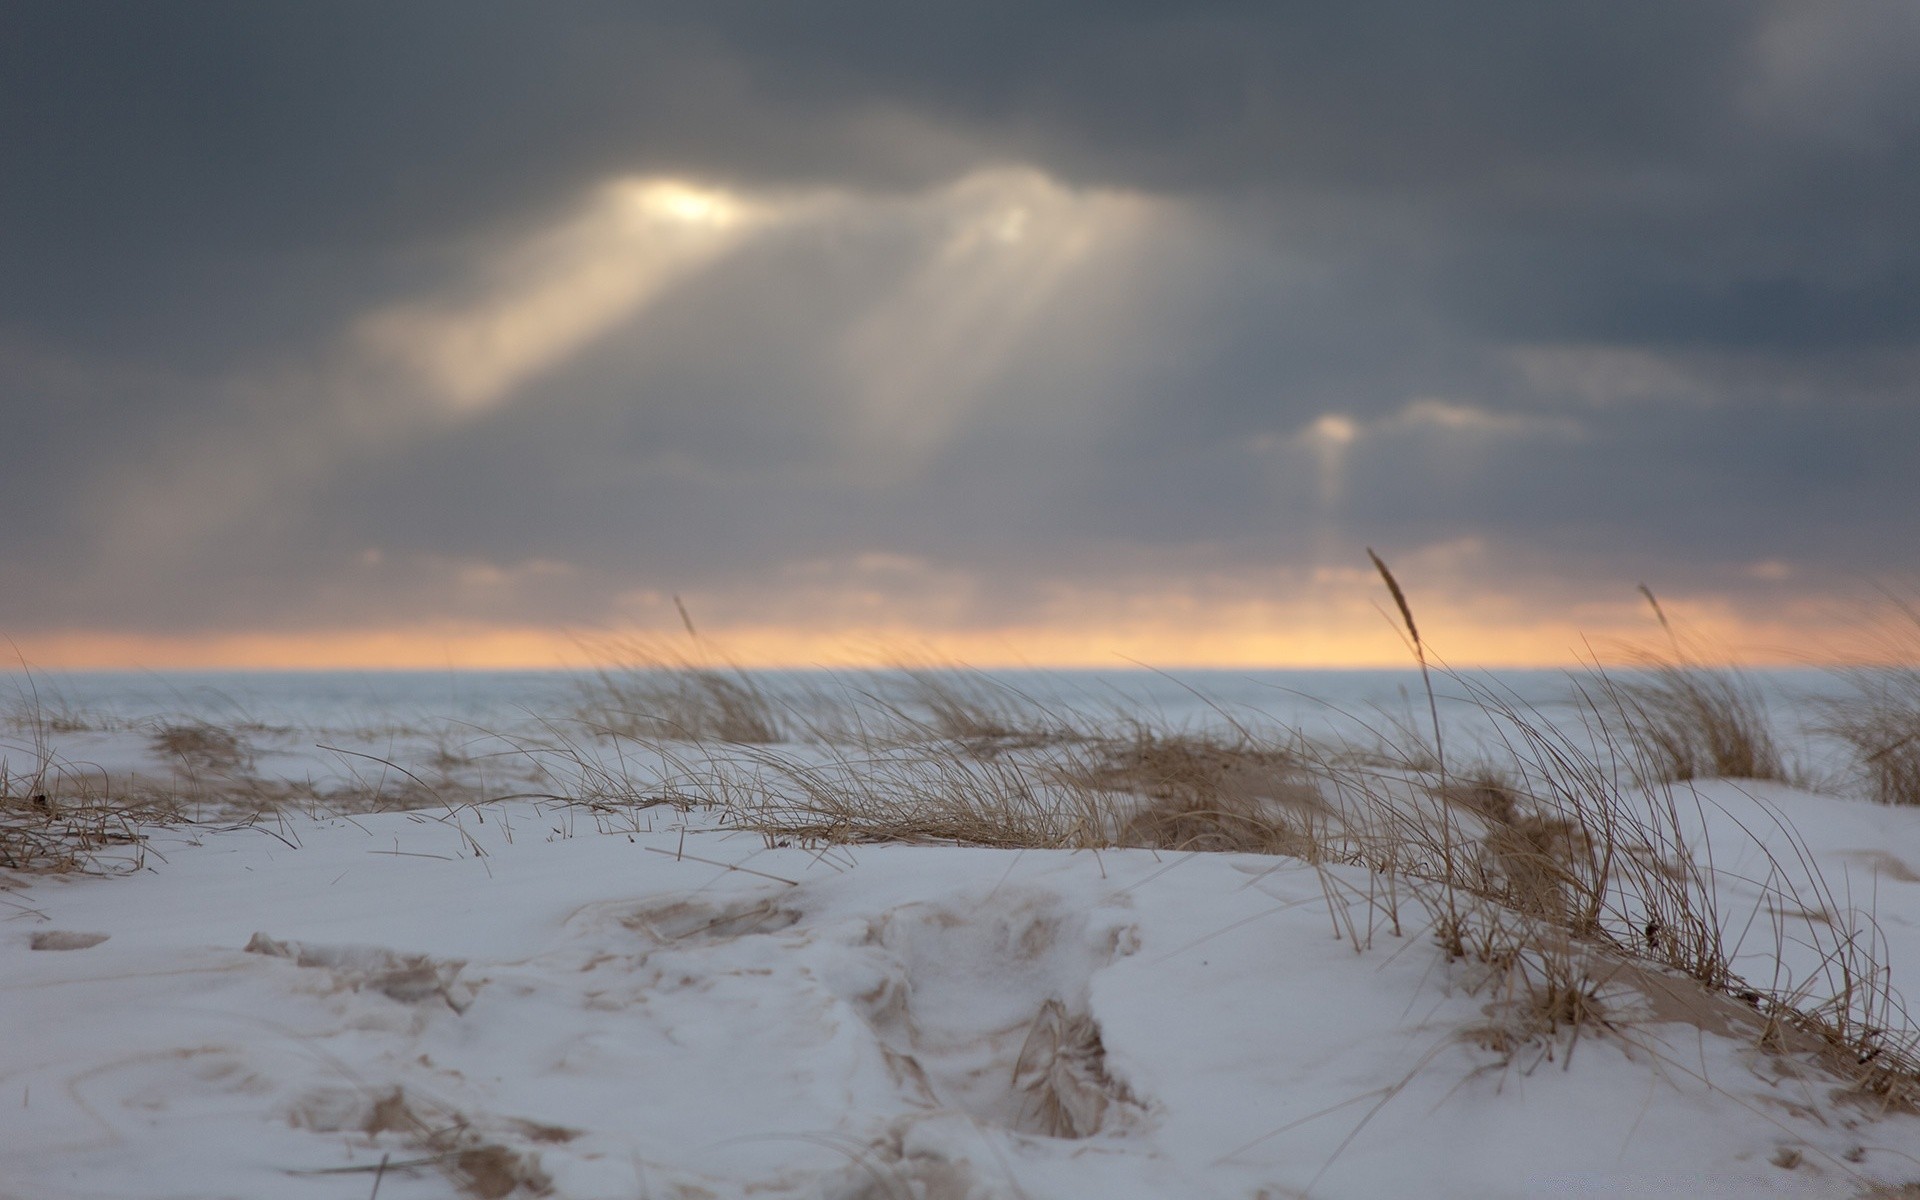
[1240, 639]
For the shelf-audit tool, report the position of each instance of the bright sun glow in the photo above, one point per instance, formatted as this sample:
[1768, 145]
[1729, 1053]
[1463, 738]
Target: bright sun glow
[683, 202]
[545, 298]
[1334, 429]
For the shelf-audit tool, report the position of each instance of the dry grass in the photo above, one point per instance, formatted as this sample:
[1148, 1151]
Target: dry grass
[1544, 989]
[1880, 723]
[690, 692]
[964, 707]
[1694, 722]
[1544, 880]
[434, 1138]
[680, 702]
[1195, 793]
[57, 816]
[975, 713]
[61, 815]
[202, 747]
[1043, 790]
[1687, 720]
[40, 709]
[1564, 877]
[1542, 871]
[42, 835]
[902, 793]
[1570, 864]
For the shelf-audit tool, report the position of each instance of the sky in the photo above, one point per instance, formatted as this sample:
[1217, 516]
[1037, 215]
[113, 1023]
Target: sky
[474, 334]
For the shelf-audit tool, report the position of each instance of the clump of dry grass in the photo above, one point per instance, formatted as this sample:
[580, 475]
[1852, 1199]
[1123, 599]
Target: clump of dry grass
[56, 818]
[1162, 791]
[1694, 722]
[37, 836]
[59, 815]
[1544, 987]
[656, 690]
[202, 747]
[1198, 793]
[1564, 876]
[1614, 867]
[1513, 865]
[1887, 744]
[902, 792]
[439, 1139]
[661, 696]
[38, 709]
[1526, 858]
[975, 712]
[1690, 721]
[1577, 863]
[967, 708]
[1880, 723]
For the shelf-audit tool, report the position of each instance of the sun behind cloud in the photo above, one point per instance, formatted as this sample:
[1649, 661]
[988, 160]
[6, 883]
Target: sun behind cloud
[544, 299]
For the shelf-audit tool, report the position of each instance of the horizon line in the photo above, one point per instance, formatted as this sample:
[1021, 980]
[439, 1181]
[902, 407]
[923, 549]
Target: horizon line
[1230, 645]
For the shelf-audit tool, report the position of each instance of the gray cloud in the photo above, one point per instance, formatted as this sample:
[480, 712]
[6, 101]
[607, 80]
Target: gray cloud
[1616, 291]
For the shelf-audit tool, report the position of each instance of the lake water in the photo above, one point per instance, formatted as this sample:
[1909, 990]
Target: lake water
[1341, 703]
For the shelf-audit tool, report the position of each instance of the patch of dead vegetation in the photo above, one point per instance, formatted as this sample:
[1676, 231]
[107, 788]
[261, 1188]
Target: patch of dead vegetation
[1528, 871]
[974, 712]
[54, 821]
[1880, 723]
[202, 747]
[404, 978]
[1192, 793]
[1686, 720]
[1693, 722]
[480, 1167]
[655, 690]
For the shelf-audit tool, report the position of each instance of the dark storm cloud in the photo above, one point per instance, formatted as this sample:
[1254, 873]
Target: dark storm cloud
[194, 152]
[1633, 283]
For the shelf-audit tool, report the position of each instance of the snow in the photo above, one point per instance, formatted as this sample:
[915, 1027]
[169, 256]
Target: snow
[531, 994]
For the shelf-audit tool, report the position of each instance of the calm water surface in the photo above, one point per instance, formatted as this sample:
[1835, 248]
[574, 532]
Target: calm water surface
[1316, 701]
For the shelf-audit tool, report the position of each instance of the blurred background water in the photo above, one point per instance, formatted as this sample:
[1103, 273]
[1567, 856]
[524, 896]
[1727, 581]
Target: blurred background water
[1346, 703]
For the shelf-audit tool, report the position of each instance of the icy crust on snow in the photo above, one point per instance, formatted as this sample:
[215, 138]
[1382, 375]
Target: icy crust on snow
[505, 1000]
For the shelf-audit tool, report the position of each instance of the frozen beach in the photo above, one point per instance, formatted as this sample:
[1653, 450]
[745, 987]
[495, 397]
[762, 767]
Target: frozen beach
[458, 936]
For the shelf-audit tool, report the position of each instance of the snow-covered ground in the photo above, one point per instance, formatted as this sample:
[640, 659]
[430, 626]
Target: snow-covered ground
[528, 996]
